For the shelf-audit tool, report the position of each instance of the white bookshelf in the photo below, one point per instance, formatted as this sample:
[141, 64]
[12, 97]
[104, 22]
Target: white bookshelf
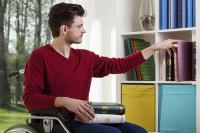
[127, 22]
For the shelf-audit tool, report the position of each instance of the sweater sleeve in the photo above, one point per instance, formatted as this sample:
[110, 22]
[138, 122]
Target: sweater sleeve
[104, 65]
[34, 84]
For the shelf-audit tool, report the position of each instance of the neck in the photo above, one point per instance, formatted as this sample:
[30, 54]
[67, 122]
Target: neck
[61, 47]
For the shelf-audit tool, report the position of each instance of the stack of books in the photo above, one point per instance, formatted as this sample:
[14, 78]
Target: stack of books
[108, 113]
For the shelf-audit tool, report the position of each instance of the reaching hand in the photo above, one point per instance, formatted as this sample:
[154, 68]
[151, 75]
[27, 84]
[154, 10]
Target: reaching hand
[82, 109]
[166, 44]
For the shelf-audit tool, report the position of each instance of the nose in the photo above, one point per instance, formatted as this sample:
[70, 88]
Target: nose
[83, 30]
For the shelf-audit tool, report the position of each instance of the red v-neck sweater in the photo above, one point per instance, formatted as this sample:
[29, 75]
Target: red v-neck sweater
[49, 74]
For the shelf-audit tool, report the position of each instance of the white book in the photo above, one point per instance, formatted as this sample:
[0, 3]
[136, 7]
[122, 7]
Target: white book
[162, 65]
[108, 118]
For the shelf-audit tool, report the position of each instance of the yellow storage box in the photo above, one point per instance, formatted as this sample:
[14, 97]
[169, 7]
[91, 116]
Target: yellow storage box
[139, 101]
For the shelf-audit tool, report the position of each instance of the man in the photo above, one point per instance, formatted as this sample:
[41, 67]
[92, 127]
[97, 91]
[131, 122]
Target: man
[57, 75]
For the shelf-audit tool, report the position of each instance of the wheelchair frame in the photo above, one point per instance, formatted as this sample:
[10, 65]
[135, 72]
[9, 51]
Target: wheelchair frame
[48, 117]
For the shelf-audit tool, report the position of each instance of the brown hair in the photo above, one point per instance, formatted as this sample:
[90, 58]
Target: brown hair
[63, 13]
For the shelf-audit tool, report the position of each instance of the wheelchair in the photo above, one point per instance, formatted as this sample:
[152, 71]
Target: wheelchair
[42, 121]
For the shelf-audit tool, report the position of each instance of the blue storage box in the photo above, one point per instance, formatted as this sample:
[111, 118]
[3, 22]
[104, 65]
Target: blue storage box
[177, 108]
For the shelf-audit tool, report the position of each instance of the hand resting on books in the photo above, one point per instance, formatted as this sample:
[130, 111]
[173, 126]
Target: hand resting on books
[82, 109]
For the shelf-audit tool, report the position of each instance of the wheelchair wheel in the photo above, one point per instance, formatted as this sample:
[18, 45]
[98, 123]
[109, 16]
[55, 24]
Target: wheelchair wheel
[20, 128]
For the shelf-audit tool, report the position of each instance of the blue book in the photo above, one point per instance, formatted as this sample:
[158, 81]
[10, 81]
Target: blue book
[164, 14]
[179, 13]
[184, 15]
[173, 14]
[169, 13]
[194, 13]
[190, 13]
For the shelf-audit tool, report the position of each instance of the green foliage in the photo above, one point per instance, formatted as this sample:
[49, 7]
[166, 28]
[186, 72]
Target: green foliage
[11, 115]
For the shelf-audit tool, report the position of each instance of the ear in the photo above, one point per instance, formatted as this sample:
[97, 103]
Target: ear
[63, 29]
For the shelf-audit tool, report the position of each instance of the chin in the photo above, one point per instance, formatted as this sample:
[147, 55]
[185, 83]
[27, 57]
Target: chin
[78, 42]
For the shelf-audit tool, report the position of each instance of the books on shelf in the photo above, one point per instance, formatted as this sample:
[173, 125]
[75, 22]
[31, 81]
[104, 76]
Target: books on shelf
[181, 62]
[177, 14]
[145, 71]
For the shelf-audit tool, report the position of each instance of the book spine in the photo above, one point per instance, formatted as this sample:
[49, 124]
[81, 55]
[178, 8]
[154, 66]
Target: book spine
[173, 14]
[189, 13]
[162, 69]
[132, 73]
[108, 118]
[137, 69]
[164, 14]
[184, 53]
[169, 13]
[107, 109]
[170, 65]
[175, 64]
[194, 12]
[184, 13]
[179, 13]
[194, 61]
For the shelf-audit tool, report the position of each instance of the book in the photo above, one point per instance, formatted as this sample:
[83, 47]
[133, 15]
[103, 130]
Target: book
[194, 13]
[184, 61]
[147, 69]
[108, 108]
[175, 64]
[164, 16]
[108, 118]
[179, 14]
[137, 69]
[190, 13]
[131, 75]
[184, 13]
[173, 14]
[194, 61]
[162, 68]
[169, 65]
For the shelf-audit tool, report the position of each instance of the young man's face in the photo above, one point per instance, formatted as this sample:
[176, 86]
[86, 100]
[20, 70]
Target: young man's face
[75, 31]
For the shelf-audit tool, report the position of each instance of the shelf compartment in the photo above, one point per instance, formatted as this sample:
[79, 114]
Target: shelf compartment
[177, 108]
[139, 101]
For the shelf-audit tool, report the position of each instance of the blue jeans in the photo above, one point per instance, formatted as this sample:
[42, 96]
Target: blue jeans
[79, 127]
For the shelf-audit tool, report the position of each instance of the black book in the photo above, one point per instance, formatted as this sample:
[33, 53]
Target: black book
[169, 65]
[108, 108]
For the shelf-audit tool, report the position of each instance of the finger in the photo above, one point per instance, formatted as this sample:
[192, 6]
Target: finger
[89, 113]
[81, 117]
[176, 41]
[175, 45]
[89, 109]
[89, 105]
[89, 102]
[85, 113]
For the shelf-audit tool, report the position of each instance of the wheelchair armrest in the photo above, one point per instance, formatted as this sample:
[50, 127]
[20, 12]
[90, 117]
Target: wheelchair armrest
[56, 112]
[49, 112]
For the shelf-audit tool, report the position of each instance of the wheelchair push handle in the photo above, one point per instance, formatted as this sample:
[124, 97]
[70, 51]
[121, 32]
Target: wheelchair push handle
[15, 73]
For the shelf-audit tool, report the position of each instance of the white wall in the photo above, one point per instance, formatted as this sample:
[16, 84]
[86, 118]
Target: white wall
[100, 37]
